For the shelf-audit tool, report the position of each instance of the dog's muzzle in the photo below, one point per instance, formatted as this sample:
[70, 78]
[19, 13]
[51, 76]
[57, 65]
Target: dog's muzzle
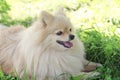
[66, 44]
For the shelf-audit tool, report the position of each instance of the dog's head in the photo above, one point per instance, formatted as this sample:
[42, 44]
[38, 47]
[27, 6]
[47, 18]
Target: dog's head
[57, 30]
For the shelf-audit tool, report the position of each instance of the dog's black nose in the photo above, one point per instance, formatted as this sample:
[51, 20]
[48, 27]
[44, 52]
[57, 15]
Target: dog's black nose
[71, 37]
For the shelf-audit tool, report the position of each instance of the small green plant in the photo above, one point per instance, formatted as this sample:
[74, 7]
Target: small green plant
[4, 8]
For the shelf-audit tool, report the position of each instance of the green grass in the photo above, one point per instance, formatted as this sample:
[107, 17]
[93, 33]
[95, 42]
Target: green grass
[103, 48]
[96, 23]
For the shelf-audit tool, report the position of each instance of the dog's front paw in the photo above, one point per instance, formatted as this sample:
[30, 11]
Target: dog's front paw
[99, 65]
[91, 67]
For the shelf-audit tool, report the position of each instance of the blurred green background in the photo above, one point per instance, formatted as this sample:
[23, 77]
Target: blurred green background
[97, 23]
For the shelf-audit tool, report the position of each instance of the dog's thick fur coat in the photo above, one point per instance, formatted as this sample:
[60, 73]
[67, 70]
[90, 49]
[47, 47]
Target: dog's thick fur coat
[36, 51]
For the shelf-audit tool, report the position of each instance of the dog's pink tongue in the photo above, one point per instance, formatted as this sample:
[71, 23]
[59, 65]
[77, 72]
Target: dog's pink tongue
[68, 44]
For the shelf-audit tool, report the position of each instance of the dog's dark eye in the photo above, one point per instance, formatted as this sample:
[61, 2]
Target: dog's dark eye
[70, 29]
[59, 33]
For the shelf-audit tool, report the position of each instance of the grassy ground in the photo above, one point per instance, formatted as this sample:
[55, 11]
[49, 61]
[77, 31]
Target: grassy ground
[97, 24]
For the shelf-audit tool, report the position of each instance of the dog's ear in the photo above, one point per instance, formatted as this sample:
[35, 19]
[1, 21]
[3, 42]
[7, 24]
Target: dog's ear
[60, 11]
[46, 18]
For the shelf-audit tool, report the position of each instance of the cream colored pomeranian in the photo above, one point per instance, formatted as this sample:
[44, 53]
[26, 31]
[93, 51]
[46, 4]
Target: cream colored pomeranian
[45, 50]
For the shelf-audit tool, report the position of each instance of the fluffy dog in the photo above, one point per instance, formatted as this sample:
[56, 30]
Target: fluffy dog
[45, 50]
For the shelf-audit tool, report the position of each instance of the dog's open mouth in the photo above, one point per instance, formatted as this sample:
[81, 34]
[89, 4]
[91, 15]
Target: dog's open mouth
[66, 44]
